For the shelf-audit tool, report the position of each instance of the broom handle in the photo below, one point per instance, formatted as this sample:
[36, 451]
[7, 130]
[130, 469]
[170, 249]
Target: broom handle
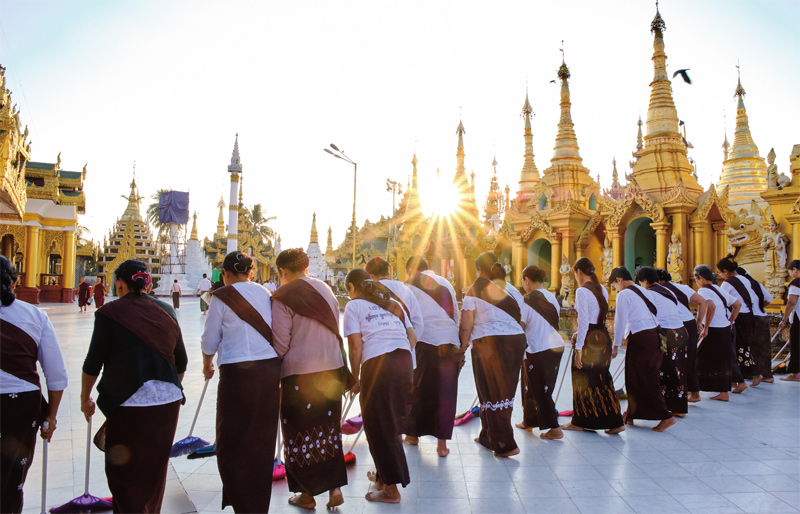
[569, 359]
[45, 425]
[619, 370]
[199, 404]
[474, 403]
[357, 436]
[346, 410]
[88, 451]
[782, 349]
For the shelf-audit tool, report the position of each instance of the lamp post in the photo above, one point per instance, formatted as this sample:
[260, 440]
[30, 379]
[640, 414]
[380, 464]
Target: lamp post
[396, 188]
[341, 155]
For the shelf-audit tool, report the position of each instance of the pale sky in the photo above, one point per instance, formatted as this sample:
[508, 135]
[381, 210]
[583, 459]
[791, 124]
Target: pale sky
[169, 83]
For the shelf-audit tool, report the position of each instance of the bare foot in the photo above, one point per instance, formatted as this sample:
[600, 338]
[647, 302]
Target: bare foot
[694, 397]
[769, 380]
[442, 448]
[570, 426]
[553, 433]
[614, 431]
[739, 388]
[335, 498]
[791, 378]
[523, 426]
[625, 419]
[678, 415]
[723, 397]
[389, 494]
[665, 424]
[303, 501]
[756, 380]
[413, 441]
[373, 477]
[515, 451]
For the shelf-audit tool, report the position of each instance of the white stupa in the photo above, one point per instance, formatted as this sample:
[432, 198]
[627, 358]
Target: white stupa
[196, 260]
[316, 264]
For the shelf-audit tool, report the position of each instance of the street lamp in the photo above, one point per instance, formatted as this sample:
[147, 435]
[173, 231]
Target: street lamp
[341, 155]
[395, 188]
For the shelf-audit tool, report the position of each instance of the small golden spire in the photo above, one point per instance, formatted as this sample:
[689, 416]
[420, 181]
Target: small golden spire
[193, 236]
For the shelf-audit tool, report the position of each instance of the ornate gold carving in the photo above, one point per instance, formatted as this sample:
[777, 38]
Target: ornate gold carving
[18, 232]
[678, 195]
[538, 223]
[589, 229]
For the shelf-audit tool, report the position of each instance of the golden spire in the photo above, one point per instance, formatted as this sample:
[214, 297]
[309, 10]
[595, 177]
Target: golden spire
[529, 175]
[725, 146]
[566, 147]
[221, 219]
[639, 139]
[614, 174]
[329, 249]
[193, 236]
[132, 212]
[662, 117]
[460, 169]
[314, 237]
[413, 208]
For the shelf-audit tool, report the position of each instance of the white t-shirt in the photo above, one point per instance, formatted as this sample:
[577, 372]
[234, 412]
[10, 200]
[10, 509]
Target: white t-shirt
[204, 285]
[490, 320]
[668, 313]
[632, 315]
[588, 310]
[728, 288]
[721, 314]
[684, 313]
[438, 327]
[410, 300]
[794, 290]
[232, 338]
[34, 322]
[175, 288]
[539, 333]
[381, 331]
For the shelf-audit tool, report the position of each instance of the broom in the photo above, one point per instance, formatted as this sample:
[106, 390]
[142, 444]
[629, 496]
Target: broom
[189, 444]
[468, 415]
[278, 469]
[45, 425]
[86, 502]
[561, 383]
[350, 457]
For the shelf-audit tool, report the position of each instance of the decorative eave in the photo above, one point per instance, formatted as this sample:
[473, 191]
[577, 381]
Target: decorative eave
[538, 223]
[570, 208]
[709, 199]
[678, 196]
[589, 228]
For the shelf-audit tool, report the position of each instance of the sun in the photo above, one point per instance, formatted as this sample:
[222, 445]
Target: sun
[441, 200]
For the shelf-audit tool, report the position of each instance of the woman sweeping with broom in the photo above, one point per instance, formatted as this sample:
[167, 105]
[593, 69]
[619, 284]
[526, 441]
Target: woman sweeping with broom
[305, 324]
[238, 329]
[137, 343]
[381, 340]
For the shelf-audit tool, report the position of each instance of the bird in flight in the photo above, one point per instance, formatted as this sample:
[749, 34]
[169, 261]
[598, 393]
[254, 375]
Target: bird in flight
[684, 75]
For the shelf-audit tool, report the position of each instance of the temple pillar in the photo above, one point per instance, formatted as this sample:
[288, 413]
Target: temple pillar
[720, 243]
[32, 254]
[616, 248]
[568, 246]
[518, 261]
[698, 230]
[795, 242]
[68, 268]
[661, 229]
[555, 264]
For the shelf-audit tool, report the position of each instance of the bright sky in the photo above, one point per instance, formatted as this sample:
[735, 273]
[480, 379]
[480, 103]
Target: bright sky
[169, 83]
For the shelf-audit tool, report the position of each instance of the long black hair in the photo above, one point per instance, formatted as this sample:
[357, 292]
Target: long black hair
[585, 266]
[8, 275]
[134, 274]
[373, 291]
[727, 264]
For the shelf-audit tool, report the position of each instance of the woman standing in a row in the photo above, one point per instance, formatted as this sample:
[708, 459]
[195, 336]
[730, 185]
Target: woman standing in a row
[381, 339]
[490, 320]
[543, 357]
[714, 351]
[793, 316]
[248, 397]
[26, 336]
[743, 366]
[137, 343]
[595, 402]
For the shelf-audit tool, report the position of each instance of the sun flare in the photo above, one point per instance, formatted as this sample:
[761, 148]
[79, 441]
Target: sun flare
[441, 200]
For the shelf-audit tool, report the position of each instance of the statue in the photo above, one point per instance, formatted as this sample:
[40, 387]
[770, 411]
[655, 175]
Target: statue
[675, 259]
[772, 170]
[774, 245]
[606, 260]
[507, 267]
[567, 290]
[451, 277]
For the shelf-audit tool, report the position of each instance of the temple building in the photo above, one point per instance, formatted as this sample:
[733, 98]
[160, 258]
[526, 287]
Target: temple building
[317, 268]
[130, 238]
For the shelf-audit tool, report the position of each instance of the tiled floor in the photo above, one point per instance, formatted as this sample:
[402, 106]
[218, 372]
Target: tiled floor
[741, 456]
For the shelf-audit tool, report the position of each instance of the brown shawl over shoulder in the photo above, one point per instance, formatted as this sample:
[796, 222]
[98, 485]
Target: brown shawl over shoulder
[238, 304]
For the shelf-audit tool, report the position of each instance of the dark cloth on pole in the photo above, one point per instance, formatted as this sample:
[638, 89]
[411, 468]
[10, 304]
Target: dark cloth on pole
[642, 364]
[434, 392]
[496, 364]
[138, 442]
[760, 346]
[714, 360]
[385, 384]
[22, 414]
[595, 402]
[491, 293]
[692, 384]
[84, 293]
[539, 374]
[674, 371]
[311, 419]
[745, 338]
[176, 300]
[248, 401]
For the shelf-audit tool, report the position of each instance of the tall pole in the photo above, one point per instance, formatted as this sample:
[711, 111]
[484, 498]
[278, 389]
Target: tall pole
[355, 171]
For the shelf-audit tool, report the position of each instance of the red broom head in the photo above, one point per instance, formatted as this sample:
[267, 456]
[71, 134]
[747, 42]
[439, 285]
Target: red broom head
[349, 458]
[278, 472]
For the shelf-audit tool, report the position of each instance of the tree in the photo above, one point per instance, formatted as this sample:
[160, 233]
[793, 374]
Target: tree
[261, 229]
